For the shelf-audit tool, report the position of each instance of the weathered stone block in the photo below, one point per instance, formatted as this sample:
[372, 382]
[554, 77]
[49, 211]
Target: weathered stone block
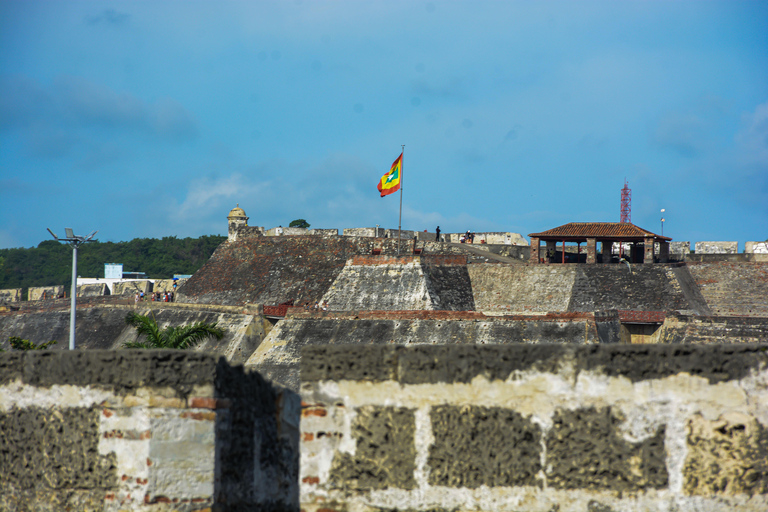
[59, 447]
[385, 454]
[477, 446]
[726, 456]
[586, 451]
[717, 247]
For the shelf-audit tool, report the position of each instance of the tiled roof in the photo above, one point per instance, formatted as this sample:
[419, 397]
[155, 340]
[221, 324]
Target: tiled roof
[617, 230]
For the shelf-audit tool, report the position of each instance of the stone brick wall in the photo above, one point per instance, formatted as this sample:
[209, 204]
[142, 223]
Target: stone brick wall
[278, 357]
[733, 289]
[756, 247]
[717, 247]
[10, 295]
[686, 328]
[100, 327]
[47, 292]
[92, 290]
[539, 428]
[143, 431]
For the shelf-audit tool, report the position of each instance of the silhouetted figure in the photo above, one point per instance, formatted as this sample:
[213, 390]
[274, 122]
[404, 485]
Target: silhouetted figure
[437, 234]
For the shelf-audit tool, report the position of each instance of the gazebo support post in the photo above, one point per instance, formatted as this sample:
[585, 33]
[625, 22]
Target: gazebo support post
[535, 250]
[591, 251]
[648, 250]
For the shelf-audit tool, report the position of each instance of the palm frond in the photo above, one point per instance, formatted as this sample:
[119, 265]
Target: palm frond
[190, 335]
[182, 337]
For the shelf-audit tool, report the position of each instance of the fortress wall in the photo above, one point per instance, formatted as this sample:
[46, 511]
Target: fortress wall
[644, 288]
[47, 292]
[390, 286]
[756, 247]
[279, 355]
[717, 247]
[324, 232]
[499, 288]
[684, 328]
[448, 282]
[105, 328]
[142, 431]
[535, 427]
[733, 289]
[271, 270]
[132, 287]
[93, 290]
[10, 295]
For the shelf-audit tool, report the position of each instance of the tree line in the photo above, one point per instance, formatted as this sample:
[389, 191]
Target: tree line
[50, 263]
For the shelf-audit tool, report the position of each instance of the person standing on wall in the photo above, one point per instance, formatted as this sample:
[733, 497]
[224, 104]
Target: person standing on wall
[437, 234]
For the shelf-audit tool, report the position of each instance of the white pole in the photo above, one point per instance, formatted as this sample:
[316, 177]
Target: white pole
[73, 298]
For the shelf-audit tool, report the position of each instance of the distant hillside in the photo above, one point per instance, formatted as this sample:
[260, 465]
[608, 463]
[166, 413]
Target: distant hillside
[50, 263]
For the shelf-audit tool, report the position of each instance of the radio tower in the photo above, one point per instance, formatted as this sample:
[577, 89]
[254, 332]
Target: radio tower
[626, 203]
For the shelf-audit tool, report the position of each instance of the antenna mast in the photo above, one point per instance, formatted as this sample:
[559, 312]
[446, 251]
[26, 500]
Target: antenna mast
[626, 204]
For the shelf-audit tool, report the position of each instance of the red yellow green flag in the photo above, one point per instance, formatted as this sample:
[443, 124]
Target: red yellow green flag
[390, 182]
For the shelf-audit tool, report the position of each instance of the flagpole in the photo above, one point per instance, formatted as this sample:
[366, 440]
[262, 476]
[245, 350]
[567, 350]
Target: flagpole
[400, 220]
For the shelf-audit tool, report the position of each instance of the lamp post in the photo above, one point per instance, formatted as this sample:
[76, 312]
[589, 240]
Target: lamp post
[662, 222]
[75, 242]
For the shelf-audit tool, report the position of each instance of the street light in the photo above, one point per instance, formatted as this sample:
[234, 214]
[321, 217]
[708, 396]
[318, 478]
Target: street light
[662, 222]
[75, 242]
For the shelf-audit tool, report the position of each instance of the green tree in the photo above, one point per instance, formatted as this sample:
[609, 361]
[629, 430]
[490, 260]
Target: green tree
[298, 223]
[171, 337]
[20, 344]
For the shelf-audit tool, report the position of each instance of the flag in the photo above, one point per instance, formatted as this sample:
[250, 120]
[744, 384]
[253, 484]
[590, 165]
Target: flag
[390, 182]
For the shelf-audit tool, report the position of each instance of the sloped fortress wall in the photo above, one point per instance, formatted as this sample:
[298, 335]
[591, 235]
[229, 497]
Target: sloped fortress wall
[142, 431]
[733, 289]
[535, 427]
[278, 356]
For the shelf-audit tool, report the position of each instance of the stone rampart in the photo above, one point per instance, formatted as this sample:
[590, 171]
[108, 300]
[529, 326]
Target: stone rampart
[278, 356]
[535, 427]
[10, 295]
[730, 289]
[686, 328]
[143, 431]
[102, 326]
[132, 287]
[324, 232]
[679, 250]
[46, 292]
[93, 290]
[717, 247]
[756, 247]
[635, 287]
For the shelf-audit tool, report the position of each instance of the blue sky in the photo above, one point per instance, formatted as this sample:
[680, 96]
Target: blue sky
[152, 119]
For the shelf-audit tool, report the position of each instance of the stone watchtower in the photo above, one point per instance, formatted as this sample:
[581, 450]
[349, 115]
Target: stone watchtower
[236, 219]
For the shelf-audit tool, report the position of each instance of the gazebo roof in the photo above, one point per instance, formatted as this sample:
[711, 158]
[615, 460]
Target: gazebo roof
[616, 231]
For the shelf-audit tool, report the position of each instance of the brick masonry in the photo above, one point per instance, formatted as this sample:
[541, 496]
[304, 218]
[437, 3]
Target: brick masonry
[535, 428]
[142, 431]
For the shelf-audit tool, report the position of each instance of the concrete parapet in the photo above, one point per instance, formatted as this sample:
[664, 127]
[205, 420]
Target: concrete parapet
[281, 231]
[93, 290]
[756, 247]
[679, 248]
[46, 292]
[490, 237]
[324, 232]
[369, 232]
[717, 247]
[10, 295]
[535, 428]
[142, 431]
[132, 287]
[278, 356]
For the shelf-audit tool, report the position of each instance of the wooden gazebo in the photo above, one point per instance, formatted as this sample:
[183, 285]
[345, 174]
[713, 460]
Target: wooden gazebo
[607, 233]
